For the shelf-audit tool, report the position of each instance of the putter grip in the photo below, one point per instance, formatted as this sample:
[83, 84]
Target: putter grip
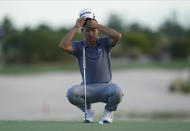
[84, 58]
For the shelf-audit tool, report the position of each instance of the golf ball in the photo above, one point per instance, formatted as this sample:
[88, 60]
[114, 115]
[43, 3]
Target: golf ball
[100, 122]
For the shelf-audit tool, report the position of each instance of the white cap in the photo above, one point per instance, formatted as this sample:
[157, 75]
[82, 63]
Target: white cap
[87, 13]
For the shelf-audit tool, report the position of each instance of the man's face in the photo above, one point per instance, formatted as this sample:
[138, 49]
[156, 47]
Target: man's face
[90, 34]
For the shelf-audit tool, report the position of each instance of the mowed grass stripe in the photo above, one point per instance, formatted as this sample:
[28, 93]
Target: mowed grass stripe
[79, 126]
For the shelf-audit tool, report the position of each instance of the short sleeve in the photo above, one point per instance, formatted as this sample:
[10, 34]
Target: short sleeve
[75, 46]
[107, 43]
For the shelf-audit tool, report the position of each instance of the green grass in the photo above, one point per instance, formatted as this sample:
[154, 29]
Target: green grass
[20, 69]
[78, 126]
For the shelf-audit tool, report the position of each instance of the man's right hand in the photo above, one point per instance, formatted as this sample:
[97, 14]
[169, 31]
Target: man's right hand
[80, 22]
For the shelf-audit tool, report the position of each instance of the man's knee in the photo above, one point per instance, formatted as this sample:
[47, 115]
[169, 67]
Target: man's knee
[118, 93]
[73, 93]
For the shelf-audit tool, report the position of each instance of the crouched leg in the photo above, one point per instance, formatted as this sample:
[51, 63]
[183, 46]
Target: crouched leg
[75, 95]
[115, 95]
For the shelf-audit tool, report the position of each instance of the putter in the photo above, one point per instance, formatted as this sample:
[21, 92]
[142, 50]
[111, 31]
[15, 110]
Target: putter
[84, 68]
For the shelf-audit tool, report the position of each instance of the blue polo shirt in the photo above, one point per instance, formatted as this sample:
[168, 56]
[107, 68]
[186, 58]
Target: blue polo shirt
[98, 69]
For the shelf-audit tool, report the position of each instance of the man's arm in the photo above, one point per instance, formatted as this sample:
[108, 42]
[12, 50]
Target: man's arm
[65, 44]
[113, 34]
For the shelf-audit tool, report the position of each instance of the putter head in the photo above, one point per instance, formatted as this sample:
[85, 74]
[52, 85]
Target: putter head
[86, 120]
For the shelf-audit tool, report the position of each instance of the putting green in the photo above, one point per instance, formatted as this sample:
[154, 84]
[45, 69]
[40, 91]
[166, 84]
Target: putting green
[78, 126]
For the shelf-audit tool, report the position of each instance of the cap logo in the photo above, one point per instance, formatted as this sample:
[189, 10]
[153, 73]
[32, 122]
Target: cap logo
[85, 13]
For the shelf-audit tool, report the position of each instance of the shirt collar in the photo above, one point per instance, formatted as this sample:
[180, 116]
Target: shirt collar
[97, 42]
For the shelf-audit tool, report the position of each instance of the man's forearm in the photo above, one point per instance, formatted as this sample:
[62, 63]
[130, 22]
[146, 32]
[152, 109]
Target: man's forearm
[108, 31]
[66, 42]
[68, 38]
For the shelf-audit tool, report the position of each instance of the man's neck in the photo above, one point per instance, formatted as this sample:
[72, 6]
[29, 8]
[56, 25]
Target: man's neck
[91, 43]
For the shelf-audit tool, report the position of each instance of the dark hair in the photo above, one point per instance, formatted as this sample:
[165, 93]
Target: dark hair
[86, 21]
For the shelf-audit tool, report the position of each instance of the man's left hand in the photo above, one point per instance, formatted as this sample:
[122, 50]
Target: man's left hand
[92, 24]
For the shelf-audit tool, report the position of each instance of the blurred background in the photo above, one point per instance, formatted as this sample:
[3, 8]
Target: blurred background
[151, 62]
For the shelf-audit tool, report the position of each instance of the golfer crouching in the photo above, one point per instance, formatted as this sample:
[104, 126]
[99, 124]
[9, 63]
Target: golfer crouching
[94, 53]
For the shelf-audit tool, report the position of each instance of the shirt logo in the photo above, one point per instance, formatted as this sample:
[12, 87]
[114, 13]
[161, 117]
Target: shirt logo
[99, 51]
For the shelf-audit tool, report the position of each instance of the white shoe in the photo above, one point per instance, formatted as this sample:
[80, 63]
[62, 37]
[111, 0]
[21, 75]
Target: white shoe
[89, 116]
[107, 117]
